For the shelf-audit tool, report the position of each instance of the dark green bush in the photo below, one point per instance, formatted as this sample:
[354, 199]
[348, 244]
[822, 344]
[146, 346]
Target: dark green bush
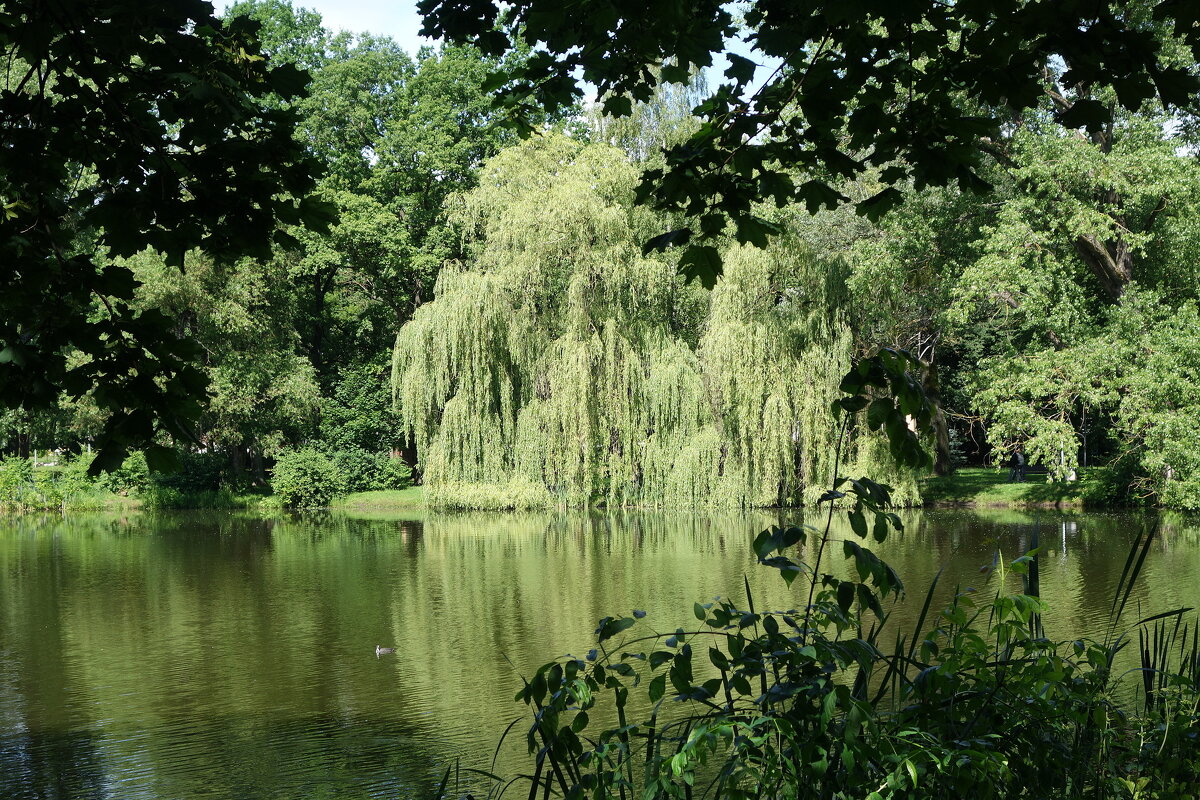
[132, 477]
[365, 471]
[359, 415]
[307, 478]
[198, 473]
[394, 473]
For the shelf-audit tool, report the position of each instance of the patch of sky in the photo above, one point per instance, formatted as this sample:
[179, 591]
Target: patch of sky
[400, 20]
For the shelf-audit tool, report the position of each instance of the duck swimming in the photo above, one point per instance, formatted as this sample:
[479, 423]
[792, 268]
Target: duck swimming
[380, 650]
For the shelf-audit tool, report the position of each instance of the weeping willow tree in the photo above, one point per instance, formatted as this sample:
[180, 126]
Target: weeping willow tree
[560, 365]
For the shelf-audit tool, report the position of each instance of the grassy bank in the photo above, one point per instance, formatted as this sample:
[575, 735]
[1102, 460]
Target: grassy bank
[982, 487]
[405, 499]
[965, 488]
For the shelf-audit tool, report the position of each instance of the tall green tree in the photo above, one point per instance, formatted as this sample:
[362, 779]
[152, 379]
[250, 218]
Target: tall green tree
[559, 357]
[1023, 294]
[399, 134]
[127, 125]
[263, 391]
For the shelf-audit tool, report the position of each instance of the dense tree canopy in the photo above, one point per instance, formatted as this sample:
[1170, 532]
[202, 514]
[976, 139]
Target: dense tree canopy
[916, 92]
[502, 288]
[559, 357]
[127, 125]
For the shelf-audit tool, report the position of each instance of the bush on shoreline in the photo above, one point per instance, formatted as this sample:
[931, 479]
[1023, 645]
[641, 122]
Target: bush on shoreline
[309, 478]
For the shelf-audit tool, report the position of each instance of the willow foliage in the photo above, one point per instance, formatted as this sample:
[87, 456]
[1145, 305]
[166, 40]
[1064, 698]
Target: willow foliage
[558, 360]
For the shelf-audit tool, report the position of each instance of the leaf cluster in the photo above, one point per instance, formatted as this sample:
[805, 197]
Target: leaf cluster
[909, 89]
[130, 125]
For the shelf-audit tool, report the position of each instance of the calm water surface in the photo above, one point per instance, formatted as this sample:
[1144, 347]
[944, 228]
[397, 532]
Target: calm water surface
[222, 656]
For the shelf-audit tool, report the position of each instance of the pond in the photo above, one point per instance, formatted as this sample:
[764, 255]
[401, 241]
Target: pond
[229, 656]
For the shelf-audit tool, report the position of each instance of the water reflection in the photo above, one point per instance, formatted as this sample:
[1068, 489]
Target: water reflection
[226, 656]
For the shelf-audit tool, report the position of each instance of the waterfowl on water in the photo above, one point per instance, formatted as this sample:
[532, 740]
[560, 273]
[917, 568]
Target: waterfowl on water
[380, 650]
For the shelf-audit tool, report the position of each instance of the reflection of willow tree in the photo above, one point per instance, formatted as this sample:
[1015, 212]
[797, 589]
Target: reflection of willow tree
[232, 656]
[561, 358]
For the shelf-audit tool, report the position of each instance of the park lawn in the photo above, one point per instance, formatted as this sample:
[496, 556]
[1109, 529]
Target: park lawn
[983, 487]
[410, 498]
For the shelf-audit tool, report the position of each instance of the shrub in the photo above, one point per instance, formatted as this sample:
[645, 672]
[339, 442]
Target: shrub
[395, 473]
[132, 477]
[307, 478]
[26, 487]
[16, 481]
[366, 471]
[198, 473]
[73, 477]
[158, 496]
[516, 495]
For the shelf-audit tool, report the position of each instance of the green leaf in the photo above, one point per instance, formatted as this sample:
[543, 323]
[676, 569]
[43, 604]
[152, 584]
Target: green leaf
[675, 238]
[162, 459]
[1090, 114]
[14, 355]
[658, 687]
[755, 230]
[875, 206]
[702, 263]
[818, 194]
[108, 459]
[858, 523]
[788, 569]
[845, 595]
[879, 530]
[852, 404]
[740, 69]
[618, 106]
[880, 410]
[610, 627]
[658, 658]
[681, 670]
[492, 42]
[699, 611]
[764, 544]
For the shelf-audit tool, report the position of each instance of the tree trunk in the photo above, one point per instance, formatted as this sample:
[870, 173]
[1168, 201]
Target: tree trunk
[237, 465]
[1111, 263]
[942, 464]
[260, 474]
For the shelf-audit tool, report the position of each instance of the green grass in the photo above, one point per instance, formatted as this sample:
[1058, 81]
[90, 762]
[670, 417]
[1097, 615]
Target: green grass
[982, 487]
[412, 497]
